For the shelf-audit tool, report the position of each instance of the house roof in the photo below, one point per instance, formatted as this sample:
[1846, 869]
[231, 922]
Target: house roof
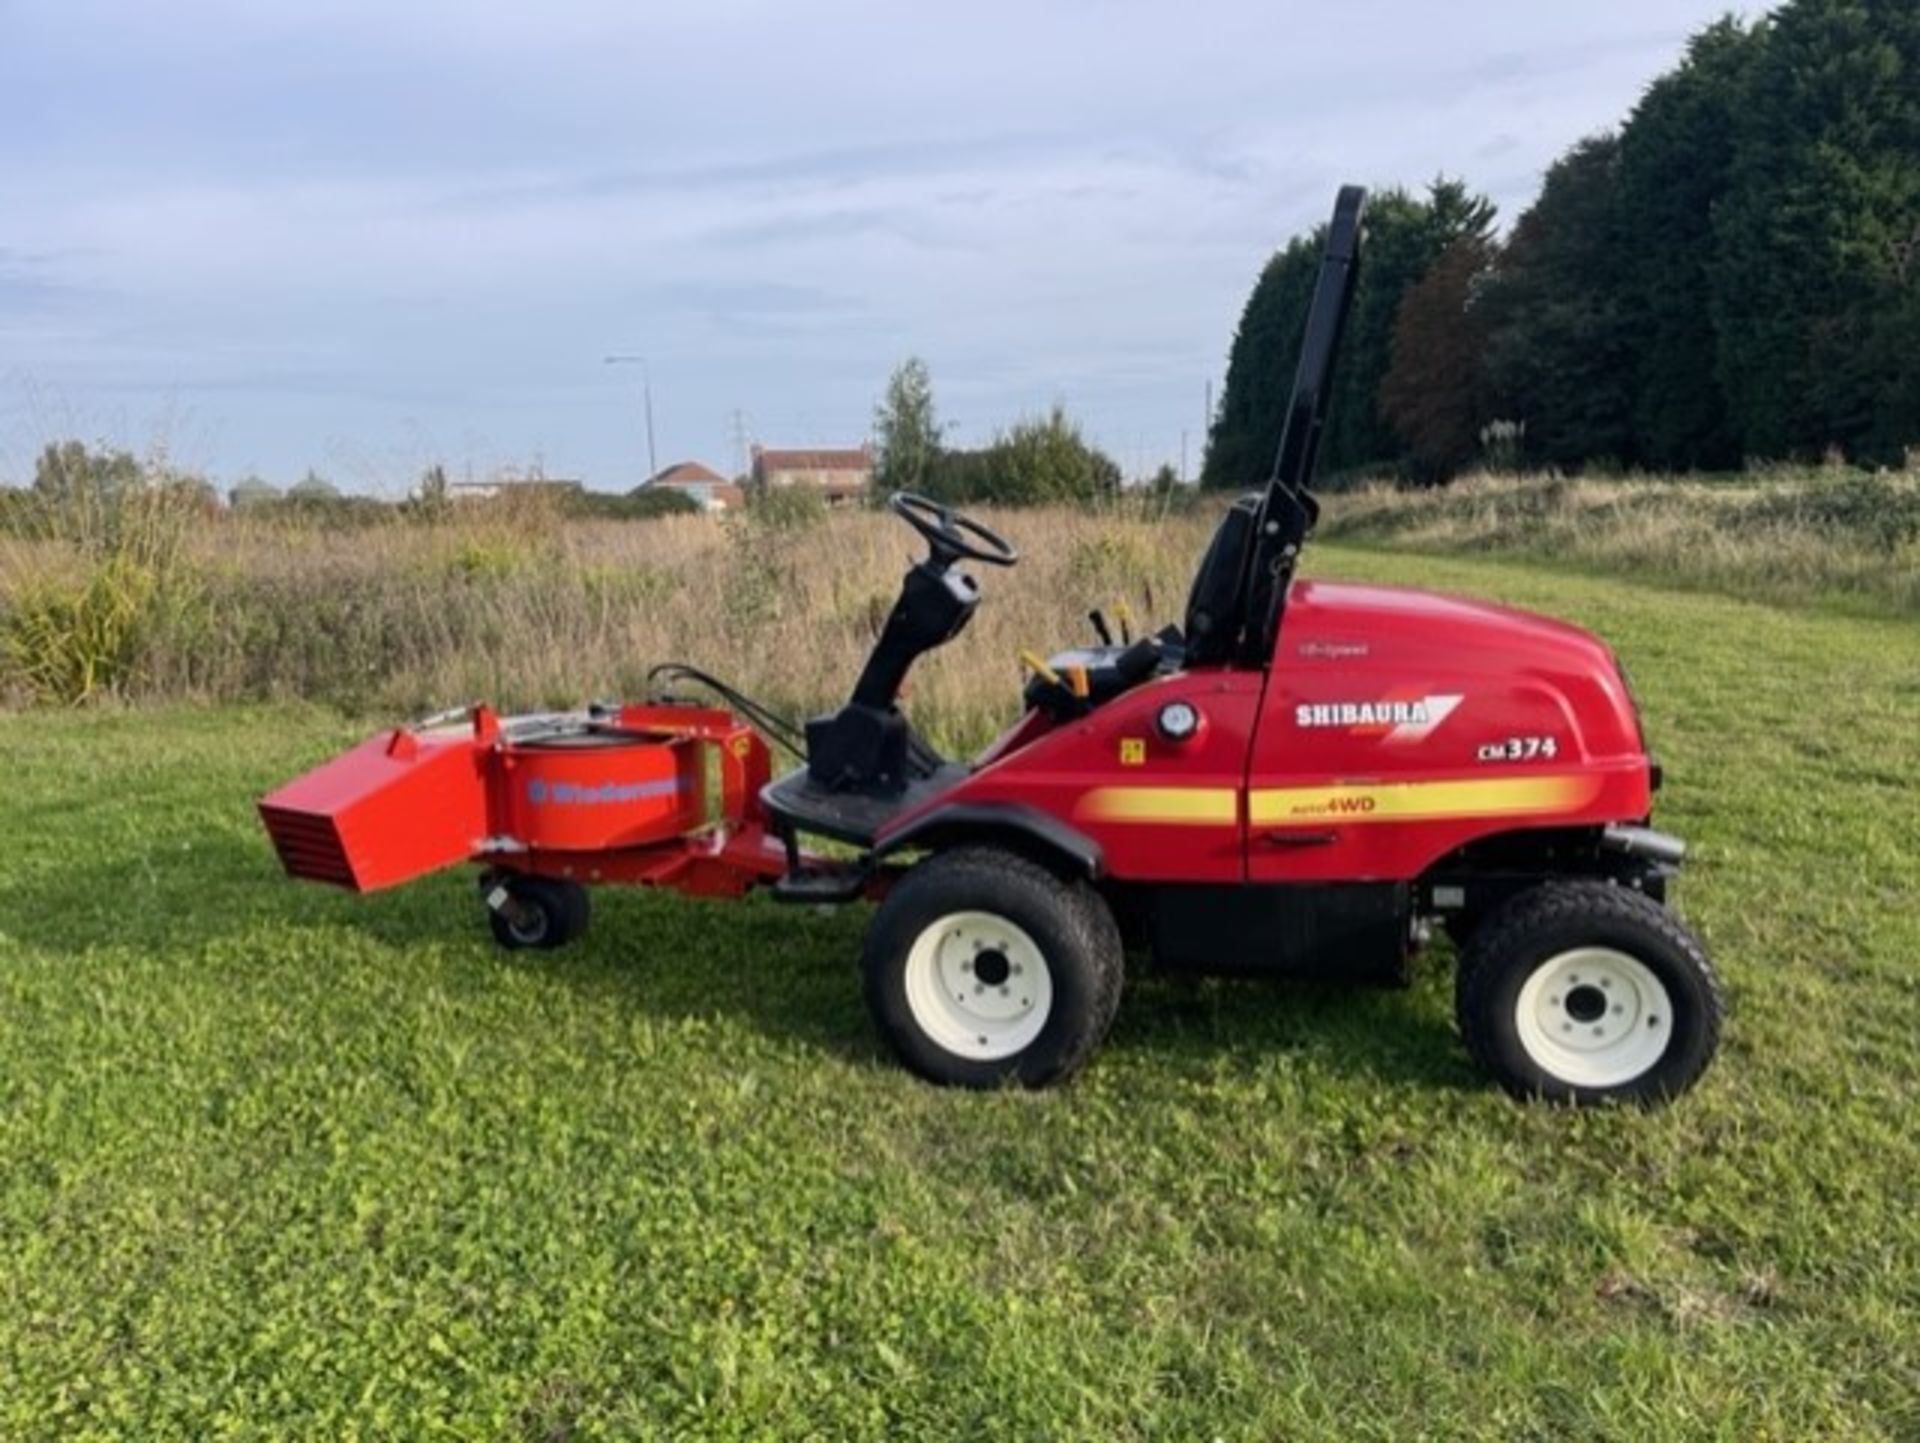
[853, 458]
[687, 473]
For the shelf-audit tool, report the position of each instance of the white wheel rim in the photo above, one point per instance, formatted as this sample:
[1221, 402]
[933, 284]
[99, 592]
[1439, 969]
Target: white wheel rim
[1594, 1017]
[978, 986]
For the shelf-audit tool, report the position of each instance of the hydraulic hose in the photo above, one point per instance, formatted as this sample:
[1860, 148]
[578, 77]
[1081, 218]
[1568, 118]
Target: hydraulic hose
[780, 729]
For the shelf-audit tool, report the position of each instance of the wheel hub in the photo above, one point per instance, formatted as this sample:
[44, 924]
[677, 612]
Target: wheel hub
[1594, 1017]
[978, 985]
[526, 920]
[1586, 1003]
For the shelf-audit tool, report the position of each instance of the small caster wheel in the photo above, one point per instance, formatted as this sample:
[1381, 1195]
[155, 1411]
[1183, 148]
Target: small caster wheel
[535, 911]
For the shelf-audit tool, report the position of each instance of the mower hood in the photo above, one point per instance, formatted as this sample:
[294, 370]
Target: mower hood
[1399, 635]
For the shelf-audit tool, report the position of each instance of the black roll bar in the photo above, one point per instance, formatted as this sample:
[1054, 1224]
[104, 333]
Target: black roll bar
[1288, 510]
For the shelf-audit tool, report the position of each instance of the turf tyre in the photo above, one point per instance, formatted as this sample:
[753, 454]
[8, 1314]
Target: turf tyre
[1538, 940]
[1009, 901]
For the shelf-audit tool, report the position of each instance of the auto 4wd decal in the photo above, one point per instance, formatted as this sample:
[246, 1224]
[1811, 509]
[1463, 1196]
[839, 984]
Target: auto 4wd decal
[1421, 801]
[1396, 718]
[1214, 806]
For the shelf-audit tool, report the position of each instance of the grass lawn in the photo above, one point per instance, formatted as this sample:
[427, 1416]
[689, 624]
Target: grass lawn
[276, 1161]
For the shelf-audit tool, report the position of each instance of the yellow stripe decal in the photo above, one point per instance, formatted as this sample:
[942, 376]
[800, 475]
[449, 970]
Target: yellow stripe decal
[1420, 801]
[1178, 806]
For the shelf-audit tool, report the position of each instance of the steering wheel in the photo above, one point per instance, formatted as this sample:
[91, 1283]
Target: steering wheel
[952, 536]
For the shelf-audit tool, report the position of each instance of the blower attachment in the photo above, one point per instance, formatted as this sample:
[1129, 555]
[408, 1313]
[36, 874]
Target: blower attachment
[409, 802]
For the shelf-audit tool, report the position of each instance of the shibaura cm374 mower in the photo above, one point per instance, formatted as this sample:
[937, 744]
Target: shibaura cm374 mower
[1302, 779]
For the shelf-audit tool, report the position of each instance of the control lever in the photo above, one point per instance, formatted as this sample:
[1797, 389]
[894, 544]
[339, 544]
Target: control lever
[1035, 663]
[1123, 614]
[1061, 697]
[1100, 627]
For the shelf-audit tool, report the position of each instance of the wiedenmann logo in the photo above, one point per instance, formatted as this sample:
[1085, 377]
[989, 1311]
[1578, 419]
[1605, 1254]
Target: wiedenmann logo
[542, 793]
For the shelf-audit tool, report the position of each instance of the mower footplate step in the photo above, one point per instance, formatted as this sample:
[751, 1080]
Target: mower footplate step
[840, 884]
[848, 816]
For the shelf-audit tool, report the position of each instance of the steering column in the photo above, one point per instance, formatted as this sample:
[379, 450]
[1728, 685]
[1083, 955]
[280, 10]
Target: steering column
[866, 743]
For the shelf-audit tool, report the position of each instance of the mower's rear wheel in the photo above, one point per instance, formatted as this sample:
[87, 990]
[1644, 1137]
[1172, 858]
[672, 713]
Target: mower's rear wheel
[982, 967]
[1585, 991]
[542, 912]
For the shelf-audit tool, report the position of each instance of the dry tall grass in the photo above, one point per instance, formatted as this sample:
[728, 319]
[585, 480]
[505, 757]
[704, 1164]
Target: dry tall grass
[531, 609]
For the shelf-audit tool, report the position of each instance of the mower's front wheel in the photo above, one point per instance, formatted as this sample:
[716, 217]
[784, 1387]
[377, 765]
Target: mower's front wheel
[983, 967]
[1585, 991]
[544, 912]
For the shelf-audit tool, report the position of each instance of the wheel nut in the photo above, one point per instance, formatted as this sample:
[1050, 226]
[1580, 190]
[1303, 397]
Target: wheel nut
[1006, 991]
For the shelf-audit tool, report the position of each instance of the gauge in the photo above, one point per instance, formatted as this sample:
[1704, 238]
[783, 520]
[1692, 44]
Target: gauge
[1178, 720]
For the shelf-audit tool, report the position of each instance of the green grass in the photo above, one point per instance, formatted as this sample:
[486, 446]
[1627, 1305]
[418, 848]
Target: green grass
[276, 1161]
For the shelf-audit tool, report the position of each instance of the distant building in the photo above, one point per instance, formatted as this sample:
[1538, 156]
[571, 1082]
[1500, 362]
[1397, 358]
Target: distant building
[499, 486]
[704, 485]
[841, 475]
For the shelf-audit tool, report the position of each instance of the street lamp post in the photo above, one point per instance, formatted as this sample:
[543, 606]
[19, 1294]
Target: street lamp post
[646, 392]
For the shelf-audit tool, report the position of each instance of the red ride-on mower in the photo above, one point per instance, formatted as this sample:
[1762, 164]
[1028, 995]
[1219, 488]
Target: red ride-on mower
[1297, 781]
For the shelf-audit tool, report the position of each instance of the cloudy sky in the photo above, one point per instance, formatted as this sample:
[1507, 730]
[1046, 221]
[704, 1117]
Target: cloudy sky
[364, 236]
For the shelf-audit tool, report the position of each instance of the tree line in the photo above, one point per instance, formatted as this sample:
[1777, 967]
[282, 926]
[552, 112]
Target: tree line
[1034, 461]
[1732, 275]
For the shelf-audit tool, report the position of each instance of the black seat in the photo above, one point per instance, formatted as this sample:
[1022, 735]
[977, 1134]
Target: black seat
[1217, 601]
